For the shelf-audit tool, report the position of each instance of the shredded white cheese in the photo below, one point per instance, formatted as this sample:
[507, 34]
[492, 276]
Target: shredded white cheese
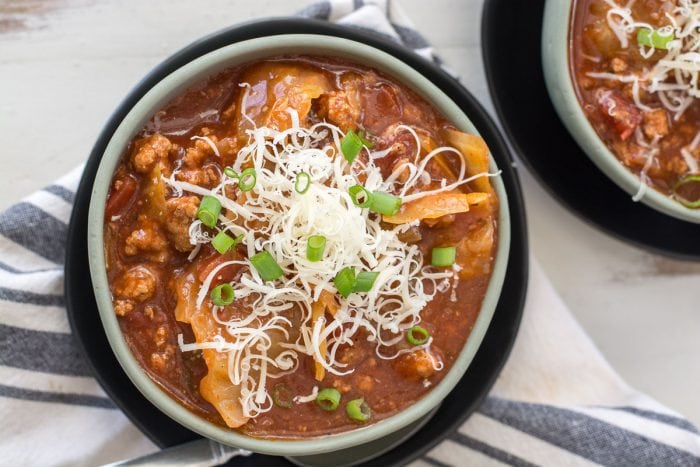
[275, 218]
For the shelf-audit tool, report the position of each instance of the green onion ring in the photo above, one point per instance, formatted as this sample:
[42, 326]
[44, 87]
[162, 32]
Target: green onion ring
[222, 295]
[209, 210]
[692, 178]
[315, 246]
[365, 281]
[328, 399]
[345, 281]
[417, 335]
[247, 179]
[443, 256]
[302, 183]
[266, 266]
[384, 203]
[356, 191]
[358, 410]
[282, 396]
[350, 146]
[223, 242]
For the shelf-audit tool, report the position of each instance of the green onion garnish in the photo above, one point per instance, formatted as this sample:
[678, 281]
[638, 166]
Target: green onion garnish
[417, 335]
[302, 183]
[365, 141]
[345, 281]
[654, 38]
[358, 410]
[230, 173]
[384, 203]
[687, 181]
[247, 179]
[209, 209]
[376, 201]
[444, 256]
[328, 399]
[266, 266]
[315, 246]
[223, 242]
[222, 295]
[365, 281]
[360, 196]
[282, 396]
[350, 146]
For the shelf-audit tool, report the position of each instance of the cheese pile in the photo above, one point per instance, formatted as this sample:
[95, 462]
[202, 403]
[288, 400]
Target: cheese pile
[276, 218]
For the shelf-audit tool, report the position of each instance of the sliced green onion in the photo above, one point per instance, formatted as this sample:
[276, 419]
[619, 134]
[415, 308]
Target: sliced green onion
[222, 295]
[444, 256]
[302, 183]
[358, 410]
[360, 196]
[282, 395]
[687, 180]
[365, 281]
[384, 203]
[345, 281]
[417, 335]
[654, 38]
[350, 146]
[266, 266]
[209, 209]
[328, 399]
[365, 141]
[315, 246]
[230, 173]
[223, 242]
[247, 179]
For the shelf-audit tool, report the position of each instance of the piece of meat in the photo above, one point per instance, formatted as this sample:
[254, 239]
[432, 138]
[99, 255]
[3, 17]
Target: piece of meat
[416, 365]
[342, 107]
[147, 238]
[180, 213]
[623, 114]
[123, 307]
[655, 123]
[196, 154]
[618, 65]
[148, 151]
[207, 176]
[137, 284]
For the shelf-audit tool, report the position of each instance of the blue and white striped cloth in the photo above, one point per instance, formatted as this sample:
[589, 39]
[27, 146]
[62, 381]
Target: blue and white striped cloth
[557, 402]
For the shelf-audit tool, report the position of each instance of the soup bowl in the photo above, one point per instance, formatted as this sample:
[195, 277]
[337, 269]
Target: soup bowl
[174, 84]
[559, 80]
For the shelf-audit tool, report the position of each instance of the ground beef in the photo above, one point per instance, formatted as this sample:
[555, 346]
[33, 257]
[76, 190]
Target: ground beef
[137, 283]
[149, 151]
[180, 213]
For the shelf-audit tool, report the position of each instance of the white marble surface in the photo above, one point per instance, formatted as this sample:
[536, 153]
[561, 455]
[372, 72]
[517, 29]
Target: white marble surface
[65, 64]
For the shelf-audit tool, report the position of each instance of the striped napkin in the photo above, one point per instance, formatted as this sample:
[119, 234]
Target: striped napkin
[557, 402]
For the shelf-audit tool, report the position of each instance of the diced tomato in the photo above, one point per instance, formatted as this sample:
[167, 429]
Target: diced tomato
[624, 115]
[207, 264]
[121, 196]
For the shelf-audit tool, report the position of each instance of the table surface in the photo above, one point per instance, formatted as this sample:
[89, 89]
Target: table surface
[65, 64]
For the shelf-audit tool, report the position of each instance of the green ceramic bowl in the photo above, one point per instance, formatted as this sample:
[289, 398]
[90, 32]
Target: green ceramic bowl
[557, 74]
[175, 84]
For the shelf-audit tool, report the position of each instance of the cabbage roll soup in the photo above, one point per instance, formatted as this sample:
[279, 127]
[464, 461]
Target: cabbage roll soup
[635, 66]
[299, 246]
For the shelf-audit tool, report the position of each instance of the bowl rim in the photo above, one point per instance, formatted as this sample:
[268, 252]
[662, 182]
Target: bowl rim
[196, 70]
[560, 86]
